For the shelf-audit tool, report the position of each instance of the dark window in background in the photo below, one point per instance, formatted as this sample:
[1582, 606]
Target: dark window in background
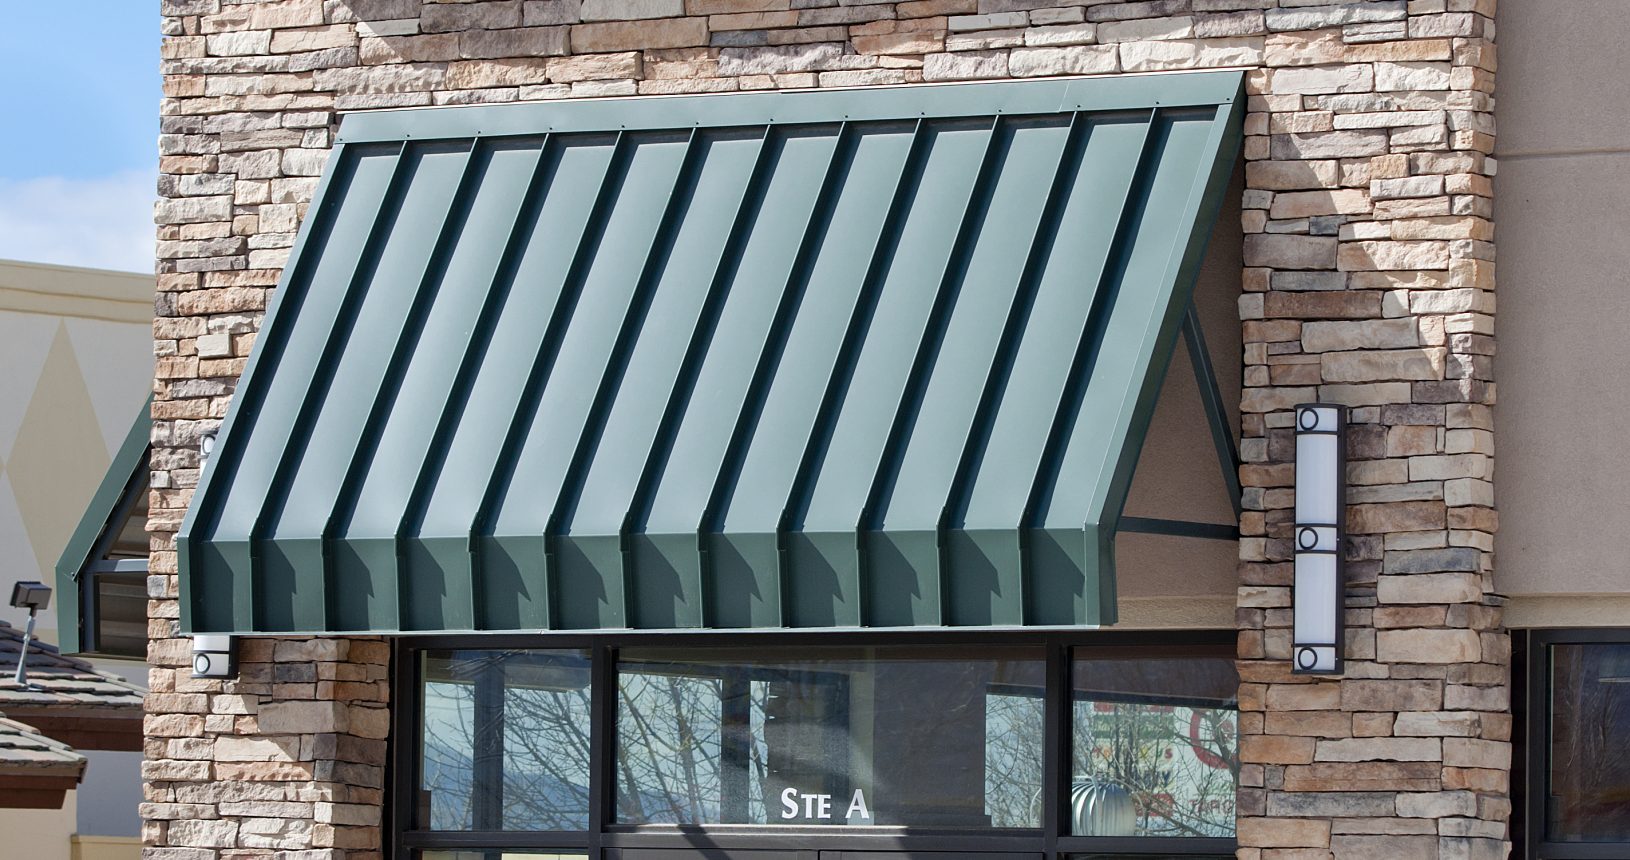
[1588, 772]
[113, 583]
[120, 620]
[1571, 727]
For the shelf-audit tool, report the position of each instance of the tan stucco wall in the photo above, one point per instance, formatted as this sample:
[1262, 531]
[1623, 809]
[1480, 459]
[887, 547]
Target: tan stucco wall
[39, 834]
[76, 348]
[1564, 355]
[106, 848]
[49, 834]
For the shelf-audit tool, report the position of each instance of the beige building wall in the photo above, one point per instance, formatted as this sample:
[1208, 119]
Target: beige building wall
[106, 848]
[1564, 356]
[76, 348]
[50, 834]
[77, 358]
[39, 834]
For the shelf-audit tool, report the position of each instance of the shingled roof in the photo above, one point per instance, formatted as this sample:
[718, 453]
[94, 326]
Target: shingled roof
[68, 699]
[35, 771]
[56, 680]
[24, 751]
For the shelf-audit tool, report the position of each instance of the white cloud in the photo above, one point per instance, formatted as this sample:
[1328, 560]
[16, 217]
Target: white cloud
[101, 222]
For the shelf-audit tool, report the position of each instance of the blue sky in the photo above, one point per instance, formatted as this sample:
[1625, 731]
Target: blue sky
[79, 156]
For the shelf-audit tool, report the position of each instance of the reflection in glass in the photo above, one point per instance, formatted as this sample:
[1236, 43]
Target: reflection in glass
[505, 740]
[121, 613]
[1155, 745]
[945, 737]
[1151, 857]
[494, 854]
[1589, 796]
[113, 582]
[131, 539]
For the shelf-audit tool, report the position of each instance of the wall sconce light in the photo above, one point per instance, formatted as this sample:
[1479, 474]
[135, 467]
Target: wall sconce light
[1321, 529]
[213, 656]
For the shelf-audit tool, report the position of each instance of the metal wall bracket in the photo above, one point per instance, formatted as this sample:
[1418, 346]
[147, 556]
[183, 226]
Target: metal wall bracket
[1222, 435]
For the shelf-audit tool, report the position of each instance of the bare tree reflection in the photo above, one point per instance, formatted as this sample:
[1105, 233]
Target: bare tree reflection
[517, 716]
[507, 734]
[1013, 736]
[1180, 764]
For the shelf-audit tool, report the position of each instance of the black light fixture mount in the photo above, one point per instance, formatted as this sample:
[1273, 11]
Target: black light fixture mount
[32, 596]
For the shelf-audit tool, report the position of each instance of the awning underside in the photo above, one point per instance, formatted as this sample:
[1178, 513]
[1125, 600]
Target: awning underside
[875, 368]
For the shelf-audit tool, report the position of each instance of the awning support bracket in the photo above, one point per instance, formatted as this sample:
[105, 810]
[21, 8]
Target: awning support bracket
[1222, 435]
[1177, 528]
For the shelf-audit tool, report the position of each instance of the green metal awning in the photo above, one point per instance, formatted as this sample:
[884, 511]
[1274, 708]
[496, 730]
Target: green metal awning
[829, 359]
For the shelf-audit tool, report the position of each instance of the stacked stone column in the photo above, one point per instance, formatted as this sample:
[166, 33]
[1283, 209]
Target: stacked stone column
[1369, 281]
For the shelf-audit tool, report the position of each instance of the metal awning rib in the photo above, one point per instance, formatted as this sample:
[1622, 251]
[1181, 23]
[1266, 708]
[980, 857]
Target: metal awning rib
[866, 358]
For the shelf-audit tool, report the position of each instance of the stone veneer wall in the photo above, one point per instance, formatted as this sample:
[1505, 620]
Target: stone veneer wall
[1369, 281]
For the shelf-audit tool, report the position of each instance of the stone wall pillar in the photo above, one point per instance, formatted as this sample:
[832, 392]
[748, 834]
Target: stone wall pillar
[287, 760]
[1369, 281]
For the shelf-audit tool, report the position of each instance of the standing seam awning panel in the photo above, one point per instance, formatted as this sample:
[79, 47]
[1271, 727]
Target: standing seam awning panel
[876, 358]
[349, 381]
[454, 494]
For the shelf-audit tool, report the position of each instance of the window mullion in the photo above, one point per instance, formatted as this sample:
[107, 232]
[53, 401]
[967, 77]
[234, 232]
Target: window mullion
[1056, 749]
[488, 787]
[602, 738]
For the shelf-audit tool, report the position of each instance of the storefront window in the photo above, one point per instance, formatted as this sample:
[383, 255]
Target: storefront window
[1588, 774]
[505, 741]
[636, 748]
[941, 737]
[1155, 744]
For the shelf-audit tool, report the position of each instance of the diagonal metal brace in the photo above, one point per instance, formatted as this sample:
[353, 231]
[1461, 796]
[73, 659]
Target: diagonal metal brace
[1222, 435]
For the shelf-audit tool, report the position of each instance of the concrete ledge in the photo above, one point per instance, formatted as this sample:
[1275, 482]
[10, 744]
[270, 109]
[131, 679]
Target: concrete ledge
[37, 288]
[1567, 610]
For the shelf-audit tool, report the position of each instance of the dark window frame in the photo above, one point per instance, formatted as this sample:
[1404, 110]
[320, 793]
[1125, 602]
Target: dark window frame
[605, 839]
[1531, 689]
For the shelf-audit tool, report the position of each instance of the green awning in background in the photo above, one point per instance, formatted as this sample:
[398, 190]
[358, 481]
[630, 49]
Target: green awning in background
[828, 359]
[99, 526]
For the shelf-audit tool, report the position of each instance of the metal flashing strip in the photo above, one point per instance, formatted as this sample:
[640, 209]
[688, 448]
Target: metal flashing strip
[865, 358]
[867, 104]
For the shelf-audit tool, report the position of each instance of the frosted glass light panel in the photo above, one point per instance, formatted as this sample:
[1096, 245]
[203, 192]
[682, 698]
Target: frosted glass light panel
[1318, 463]
[1318, 536]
